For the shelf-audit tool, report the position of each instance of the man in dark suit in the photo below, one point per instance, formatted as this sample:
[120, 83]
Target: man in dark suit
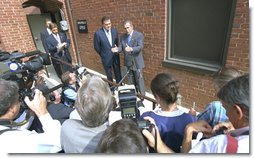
[104, 39]
[45, 34]
[58, 44]
[132, 44]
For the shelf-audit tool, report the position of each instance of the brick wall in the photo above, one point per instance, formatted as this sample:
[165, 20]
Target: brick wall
[149, 17]
[14, 29]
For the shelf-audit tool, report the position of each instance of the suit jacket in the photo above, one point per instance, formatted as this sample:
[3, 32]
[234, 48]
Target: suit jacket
[137, 44]
[75, 137]
[52, 43]
[44, 35]
[103, 47]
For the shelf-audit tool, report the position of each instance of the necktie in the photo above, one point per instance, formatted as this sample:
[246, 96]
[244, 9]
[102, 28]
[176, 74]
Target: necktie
[129, 39]
[108, 34]
[58, 38]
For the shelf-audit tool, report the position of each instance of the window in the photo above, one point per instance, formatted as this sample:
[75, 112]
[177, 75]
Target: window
[199, 33]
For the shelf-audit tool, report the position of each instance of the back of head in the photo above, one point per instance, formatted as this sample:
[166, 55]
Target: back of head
[236, 92]
[165, 87]
[9, 94]
[123, 136]
[225, 75]
[94, 102]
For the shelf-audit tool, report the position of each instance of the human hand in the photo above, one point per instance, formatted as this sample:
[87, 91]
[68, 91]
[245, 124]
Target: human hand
[128, 49]
[200, 126]
[38, 104]
[192, 112]
[114, 49]
[228, 126]
[65, 44]
[84, 78]
[150, 136]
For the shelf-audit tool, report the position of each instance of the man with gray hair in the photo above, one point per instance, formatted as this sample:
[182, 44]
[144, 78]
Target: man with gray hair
[132, 43]
[93, 104]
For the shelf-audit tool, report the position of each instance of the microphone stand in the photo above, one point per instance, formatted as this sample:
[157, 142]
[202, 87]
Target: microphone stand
[134, 76]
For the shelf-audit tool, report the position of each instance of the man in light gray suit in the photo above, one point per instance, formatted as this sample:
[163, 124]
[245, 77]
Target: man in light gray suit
[131, 44]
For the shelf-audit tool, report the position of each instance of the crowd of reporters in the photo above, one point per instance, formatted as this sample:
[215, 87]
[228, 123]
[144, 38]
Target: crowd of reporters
[83, 126]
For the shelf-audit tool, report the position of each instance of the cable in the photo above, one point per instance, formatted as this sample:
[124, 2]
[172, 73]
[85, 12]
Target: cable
[155, 138]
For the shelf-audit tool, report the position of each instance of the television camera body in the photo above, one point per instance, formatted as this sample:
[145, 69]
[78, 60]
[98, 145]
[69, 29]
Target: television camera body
[128, 106]
[23, 72]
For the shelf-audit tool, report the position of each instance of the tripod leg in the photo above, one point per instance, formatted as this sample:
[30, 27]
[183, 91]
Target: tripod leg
[46, 69]
[135, 80]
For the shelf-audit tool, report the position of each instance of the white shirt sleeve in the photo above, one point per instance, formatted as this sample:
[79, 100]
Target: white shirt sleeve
[216, 144]
[25, 141]
[51, 135]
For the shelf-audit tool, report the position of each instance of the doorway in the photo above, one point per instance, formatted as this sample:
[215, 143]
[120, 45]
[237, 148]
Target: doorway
[37, 24]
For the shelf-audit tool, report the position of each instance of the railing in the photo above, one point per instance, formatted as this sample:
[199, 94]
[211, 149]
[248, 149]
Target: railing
[154, 102]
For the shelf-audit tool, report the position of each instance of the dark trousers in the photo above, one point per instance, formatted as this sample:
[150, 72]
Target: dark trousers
[116, 68]
[135, 77]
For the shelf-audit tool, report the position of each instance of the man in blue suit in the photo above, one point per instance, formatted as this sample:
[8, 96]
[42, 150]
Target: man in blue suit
[45, 34]
[58, 45]
[132, 44]
[105, 39]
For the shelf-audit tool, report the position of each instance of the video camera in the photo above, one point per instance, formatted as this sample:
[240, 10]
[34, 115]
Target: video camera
[80, 72]
[128, 106]
[31, 92]
[22, 72]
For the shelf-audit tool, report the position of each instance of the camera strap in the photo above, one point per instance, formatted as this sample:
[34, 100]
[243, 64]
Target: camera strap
[6, 130]
[155, 138]
[155, 133]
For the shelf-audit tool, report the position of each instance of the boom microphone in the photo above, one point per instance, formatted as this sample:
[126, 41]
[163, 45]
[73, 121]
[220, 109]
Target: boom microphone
[4, 56]
[18, 56]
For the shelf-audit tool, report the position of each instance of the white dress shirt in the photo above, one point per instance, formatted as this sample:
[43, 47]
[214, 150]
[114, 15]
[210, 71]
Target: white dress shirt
[109, 36]
[25, 141]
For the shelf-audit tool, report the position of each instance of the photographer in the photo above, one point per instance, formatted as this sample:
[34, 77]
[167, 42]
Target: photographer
[20, 140]
[72, 81]
[56, 109]
[70, 88]
[93, 104]
[170, 119]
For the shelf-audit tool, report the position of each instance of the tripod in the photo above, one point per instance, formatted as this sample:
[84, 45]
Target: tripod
[132, 73]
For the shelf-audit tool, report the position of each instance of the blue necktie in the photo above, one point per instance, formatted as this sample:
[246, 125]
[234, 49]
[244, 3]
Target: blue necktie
[129, 39]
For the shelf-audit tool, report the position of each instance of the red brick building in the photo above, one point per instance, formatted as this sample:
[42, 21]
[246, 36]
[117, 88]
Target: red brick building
[162, 24]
